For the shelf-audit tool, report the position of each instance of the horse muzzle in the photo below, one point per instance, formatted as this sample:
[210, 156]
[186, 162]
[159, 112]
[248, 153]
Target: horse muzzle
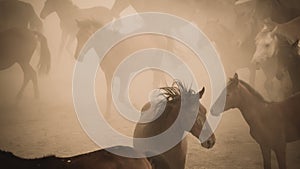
[209, 143]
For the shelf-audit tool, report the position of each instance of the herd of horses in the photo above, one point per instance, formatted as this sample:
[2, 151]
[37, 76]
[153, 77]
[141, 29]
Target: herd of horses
[272, 45]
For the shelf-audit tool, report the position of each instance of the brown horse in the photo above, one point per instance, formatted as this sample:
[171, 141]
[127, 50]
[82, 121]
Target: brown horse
[178, 99]
[100, 159]
[15, 13]
[17, 45]
[68, 13]
[272, 124]
[110, 62]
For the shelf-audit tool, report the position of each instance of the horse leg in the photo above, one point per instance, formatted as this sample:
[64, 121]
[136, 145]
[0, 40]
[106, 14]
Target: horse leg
[266, 153]
[280, 152]
[62, 43]
[26, 79]
[69, 43]
[34, 82]
[108, 94]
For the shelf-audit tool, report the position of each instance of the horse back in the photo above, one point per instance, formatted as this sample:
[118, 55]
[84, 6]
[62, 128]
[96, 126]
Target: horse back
[16, 14]
[290, 29]
[100, 14]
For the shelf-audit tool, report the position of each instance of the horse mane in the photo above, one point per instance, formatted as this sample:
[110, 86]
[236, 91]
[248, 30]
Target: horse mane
[166, 96]
[253, 91]
[176, 90]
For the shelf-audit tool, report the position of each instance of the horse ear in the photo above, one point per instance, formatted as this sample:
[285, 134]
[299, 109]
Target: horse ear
[201, 92]
[274, 31]
[235, 78]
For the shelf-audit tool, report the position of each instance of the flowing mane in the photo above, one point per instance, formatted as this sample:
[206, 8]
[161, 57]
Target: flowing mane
[253, 91]
[176, 90]
[164, 97]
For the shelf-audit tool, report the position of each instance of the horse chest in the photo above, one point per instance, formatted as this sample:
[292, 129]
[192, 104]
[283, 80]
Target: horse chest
[268, 131]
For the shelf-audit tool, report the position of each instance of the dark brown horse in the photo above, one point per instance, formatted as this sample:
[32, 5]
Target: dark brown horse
[15, 13]
[68, 13]
[101, 159]
[110, 62]
[17, 45]
[178, 99]
[272, 124]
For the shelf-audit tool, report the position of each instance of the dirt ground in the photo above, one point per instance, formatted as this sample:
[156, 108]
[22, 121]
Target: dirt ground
[34, 128]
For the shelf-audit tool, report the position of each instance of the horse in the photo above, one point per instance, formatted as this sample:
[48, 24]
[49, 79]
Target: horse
[68, 13]
[111, 61]
[17, 45]
[175, 98]
[14, 13]
[279, 11]
[99, 159]
[277, 51]
[272, 124]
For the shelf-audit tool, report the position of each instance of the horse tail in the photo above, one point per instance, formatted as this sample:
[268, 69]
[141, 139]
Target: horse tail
[45, 58]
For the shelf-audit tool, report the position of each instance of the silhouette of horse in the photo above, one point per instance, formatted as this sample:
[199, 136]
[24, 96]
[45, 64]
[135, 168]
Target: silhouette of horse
[68, 13]
[272, 124]
[100, 159]
[14, 13]
[111, 60]
[276, 51]
[17, 45]
[176, 99]
[278, 10]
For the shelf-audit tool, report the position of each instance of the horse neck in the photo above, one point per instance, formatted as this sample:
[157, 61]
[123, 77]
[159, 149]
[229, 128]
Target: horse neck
[68, 13]
[249, 105]
[166, 120]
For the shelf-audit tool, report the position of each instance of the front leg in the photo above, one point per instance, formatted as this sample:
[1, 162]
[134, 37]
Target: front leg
[280, 152]
[266, 153]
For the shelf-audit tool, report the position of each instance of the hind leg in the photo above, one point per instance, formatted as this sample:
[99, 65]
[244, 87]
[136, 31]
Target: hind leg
[29, 74]
[62, 44]
[25, 81]
[34, 82]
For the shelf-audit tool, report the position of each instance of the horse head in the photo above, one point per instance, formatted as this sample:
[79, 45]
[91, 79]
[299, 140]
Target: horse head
[230, 94]
[266, 45]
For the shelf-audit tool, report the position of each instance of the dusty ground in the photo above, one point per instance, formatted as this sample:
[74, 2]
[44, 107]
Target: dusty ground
[35, 128]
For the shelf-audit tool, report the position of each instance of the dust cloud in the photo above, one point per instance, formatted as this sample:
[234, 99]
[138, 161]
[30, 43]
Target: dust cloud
[32, 127]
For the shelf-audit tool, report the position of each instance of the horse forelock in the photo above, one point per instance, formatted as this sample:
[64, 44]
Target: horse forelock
[261, 36]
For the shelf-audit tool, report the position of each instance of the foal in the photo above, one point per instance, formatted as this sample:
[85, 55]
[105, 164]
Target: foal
[272, 124]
